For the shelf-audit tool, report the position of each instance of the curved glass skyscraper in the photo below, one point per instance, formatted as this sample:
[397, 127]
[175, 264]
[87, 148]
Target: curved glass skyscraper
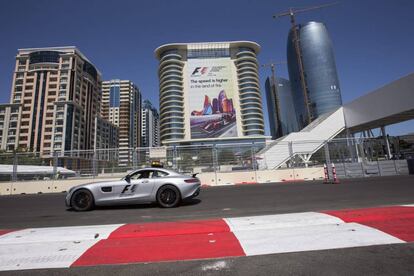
[209, 91]
[321, 78]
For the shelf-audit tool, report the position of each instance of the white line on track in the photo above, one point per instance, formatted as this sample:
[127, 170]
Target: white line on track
[302, 232]
[281, 221]
[49, 247]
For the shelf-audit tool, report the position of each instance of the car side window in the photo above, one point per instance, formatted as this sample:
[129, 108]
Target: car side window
[140, 175]
[158, 174]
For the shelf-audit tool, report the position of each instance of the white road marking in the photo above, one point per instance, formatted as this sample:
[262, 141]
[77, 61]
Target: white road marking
[51, 247]
[42, 255]
[312, 237]
[281, 221]
[72, 233]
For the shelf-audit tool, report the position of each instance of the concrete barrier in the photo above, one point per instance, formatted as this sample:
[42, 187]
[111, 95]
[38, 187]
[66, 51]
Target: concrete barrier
[207, 179]
[274, 175]
[5, 188]
[31, 187]
[229, 178]
[48, 186]
[314, 173]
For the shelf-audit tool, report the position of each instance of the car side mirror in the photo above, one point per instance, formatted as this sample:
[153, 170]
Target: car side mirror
[128, 178]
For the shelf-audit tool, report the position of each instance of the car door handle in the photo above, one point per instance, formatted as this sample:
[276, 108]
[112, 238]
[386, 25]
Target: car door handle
[145, 181]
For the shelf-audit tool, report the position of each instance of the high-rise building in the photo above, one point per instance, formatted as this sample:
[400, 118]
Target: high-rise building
[121, 105]
[107, 134]
[55, 98]
[150, 125]
[280, 107]
[9, 119]
[321, 82]
[209, 92]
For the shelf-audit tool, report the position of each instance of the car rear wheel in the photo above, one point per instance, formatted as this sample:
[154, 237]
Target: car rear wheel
[82, 200]
[168, 196]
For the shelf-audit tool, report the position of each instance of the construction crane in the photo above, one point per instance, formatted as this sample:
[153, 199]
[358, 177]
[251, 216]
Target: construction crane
[296, 42]
[272, 66]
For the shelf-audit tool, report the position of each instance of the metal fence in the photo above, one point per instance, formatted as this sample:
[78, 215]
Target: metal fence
[352, 157]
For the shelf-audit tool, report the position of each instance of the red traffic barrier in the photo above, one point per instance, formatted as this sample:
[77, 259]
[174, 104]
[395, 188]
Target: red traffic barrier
[335, 177]
[326, 174]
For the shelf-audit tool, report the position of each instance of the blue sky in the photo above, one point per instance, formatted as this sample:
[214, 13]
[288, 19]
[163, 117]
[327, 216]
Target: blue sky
[373, 40]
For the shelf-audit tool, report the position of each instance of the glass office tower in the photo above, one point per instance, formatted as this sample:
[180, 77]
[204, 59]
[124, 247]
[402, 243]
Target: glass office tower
[281, 110]
[321, 78]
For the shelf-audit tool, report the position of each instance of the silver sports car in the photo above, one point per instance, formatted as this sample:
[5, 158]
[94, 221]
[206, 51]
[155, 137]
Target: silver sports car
[165, 187]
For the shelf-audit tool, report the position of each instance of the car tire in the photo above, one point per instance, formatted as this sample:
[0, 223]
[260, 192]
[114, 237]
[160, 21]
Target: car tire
[82, 200]
[168, 196]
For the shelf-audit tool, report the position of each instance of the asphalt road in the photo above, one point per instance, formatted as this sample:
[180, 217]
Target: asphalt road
[46, 210]
[373, 260]
[25, 211]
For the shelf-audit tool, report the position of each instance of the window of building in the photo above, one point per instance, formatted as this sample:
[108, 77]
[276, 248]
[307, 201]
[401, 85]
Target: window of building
[114, 96]
[44, 57]
[208, 53]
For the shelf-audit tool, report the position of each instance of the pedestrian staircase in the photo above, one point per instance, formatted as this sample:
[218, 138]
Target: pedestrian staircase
[303, 143]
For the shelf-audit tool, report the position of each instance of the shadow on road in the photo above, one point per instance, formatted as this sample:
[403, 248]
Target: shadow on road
[186, 202]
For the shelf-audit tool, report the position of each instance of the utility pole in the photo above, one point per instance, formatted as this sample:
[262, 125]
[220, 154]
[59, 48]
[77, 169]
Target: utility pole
[275, 93]
[296, 42]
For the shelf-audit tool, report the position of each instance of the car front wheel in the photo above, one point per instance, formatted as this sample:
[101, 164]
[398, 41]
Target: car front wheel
[82, 200]
[168, 196]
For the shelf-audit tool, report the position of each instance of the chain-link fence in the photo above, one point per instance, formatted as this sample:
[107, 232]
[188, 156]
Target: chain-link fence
[352, 157]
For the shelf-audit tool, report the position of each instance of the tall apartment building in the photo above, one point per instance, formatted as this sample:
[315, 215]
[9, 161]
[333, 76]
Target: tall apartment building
[121, 105]
[107, 134]
[9, 118]
[150, 125]
[56, 95]
[209, 92]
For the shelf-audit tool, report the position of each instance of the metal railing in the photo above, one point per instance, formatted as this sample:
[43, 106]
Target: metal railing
[352, 157]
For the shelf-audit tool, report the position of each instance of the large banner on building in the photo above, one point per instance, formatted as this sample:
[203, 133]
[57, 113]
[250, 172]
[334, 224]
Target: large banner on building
[211, 102]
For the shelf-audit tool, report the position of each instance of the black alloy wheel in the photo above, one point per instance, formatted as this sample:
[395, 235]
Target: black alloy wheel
[82, 200]
[168, 196]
